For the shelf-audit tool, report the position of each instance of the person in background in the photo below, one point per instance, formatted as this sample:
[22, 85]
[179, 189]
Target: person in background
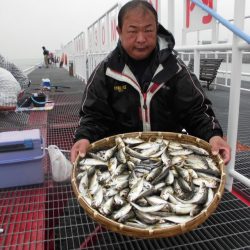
[51, 58]
[46, 57]
[142, 85]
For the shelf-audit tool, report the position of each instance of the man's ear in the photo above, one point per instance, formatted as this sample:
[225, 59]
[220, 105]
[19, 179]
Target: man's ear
[119, 31]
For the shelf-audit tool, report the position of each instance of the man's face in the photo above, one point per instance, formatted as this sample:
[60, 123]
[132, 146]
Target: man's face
[139, 33]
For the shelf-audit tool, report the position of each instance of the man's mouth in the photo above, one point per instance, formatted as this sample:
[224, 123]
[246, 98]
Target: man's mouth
[141, 49]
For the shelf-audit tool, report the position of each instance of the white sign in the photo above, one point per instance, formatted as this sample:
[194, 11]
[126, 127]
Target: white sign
[196, 18]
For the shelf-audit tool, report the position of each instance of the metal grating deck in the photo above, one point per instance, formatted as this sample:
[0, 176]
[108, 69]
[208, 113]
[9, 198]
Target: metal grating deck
[220, 101]
[228, 228]
[49, 217]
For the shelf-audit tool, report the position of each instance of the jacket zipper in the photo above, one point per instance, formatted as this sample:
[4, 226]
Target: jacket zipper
[145, 107]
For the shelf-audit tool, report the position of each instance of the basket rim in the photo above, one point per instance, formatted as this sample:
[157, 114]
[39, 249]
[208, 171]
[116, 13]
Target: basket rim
[172, 230]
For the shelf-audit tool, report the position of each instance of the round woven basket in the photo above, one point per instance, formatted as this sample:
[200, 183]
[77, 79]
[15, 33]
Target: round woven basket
[161, 232]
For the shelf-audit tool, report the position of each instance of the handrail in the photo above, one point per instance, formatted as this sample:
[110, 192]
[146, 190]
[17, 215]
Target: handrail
[208, 47]
[222, 20]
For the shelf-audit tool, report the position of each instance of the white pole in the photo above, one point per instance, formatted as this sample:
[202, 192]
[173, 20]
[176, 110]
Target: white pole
[171, 16]
[197, 63]
[184, 32]
[240, 177]
[215, 26]
[234, 101]
[227, 62]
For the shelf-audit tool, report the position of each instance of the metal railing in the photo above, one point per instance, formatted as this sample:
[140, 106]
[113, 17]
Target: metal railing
[30, 69]
[234, 99]
[224, 72]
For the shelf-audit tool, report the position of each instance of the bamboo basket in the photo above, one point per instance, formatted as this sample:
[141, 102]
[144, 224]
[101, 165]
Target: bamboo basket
[161, 232]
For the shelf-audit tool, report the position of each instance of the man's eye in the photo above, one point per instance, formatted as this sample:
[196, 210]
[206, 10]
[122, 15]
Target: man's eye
[132, 31]
[148, 30]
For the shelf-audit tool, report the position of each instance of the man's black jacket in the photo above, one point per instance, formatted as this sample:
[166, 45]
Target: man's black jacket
[168, 98]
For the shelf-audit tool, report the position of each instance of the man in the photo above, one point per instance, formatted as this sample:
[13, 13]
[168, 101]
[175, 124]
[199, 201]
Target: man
[143, 86]
[46, 57]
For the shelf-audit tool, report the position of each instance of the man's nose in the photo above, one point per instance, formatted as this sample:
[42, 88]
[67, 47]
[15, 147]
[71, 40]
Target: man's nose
[140, 37]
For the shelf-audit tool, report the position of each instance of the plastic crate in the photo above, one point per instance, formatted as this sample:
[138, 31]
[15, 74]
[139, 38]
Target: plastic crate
[21, 154]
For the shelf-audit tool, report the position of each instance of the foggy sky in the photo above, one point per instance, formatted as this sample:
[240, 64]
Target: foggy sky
[27, 25]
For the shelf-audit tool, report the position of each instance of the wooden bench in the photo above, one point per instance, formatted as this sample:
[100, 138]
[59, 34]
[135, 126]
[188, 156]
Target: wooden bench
[208, 69]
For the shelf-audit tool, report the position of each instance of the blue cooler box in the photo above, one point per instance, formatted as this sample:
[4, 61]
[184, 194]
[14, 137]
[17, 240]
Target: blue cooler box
[21, 154]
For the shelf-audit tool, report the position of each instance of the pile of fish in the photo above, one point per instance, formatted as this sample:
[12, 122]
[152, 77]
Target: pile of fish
[152, 183]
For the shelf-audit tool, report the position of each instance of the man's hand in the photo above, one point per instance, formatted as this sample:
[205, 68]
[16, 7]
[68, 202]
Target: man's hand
[219, 145]
[80, 147]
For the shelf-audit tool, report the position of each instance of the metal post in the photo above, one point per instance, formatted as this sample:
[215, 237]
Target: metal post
[171, 18]
[227, 62]
[234, 101]
[184, 33]
[197, 63]
[240, 178]
[215, 26]
[198, 37]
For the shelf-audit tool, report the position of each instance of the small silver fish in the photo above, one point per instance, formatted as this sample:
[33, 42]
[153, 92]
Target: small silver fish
[127, 216]
[146, 145]
[148, 209]
[109, 153]
[181, 152]
[196, 149]
[154, 173]
[133, 141]
[174, 146]
[135, 153]
[147, 218]
[165, 192]
[119, 142]
[135, 190]
[210, 183]
[199, 198]
[210, 197]
[93, 185]
[97, 198]
[122, 211]
[155, 200]
[196, 162]
[92, 162]
[121, 157]
[107, 206]
[118, 200]
[183, 210]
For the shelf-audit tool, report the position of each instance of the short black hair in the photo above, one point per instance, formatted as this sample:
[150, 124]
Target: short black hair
[132, 5]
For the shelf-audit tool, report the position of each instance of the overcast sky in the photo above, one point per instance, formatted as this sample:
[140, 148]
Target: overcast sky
[27, 25]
